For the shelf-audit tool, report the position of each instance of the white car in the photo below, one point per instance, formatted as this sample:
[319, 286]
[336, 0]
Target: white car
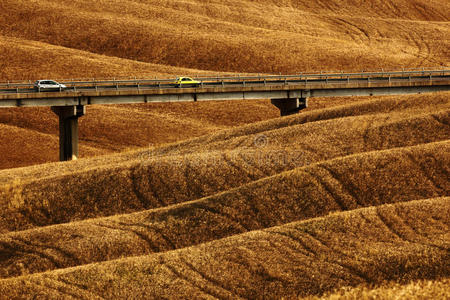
[48, 85]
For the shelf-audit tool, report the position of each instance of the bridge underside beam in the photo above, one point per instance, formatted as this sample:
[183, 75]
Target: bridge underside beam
[290, 106]
[208, 94]
[198, 95]
[68, 130]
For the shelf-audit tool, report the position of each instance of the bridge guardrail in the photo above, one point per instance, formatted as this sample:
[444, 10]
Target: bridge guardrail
[243, 79]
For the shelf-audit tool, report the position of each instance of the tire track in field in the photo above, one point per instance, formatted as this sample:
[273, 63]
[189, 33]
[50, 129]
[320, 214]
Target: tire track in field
[24, 246]
[325, 4]
[328, 189]
[189, 172]
[423, 45]
[134, 178]
[387, 224]
[404, 224]
[429, 13]
[147, 236]
[394, 220]
[425, 172]
[377, 142]
[368, 125]
[394, 8]
[136, 190]
[317, 254]
[335, 247]
[215, 282]
[160, 233]
[222, 214]
[79, 287]
[70, 289]
[141, 236]
[63, 253]
[46, 284]
[346, 191]
[241, 170]
[355, 30]
[334, 250]
[250, 163]
[305, 249]
[439, 120]
[416, 41]
[245, 208]
[190, 282]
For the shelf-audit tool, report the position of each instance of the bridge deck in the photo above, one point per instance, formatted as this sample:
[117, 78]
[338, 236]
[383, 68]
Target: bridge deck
[289, 93]
[228, 88]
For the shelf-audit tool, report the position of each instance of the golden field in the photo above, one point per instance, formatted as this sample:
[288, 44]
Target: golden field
[146, 39]
[346, 199]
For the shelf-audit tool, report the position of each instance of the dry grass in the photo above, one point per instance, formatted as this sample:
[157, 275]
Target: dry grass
[207, 165]
[213, 194]
[106, 129]
[423, 289]
[347, 199]
[236, 36]
[302, 193]
[24, 59]
[364, 246]
[34, 147]
[134, 38]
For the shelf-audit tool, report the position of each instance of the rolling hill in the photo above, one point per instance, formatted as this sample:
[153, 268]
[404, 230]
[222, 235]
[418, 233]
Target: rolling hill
[235, 36]
[116, 39]
[369, 245]
[347, 199]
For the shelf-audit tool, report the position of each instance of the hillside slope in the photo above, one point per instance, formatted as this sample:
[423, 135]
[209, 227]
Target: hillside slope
[110, 39]
[191, 212]
[347, 199]
[240, 36]
[302, 193]
[423, 289]
[115, 128]
[204, 166]
[340, 110]
[370, 245]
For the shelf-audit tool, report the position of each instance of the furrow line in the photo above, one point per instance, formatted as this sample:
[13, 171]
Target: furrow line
[189, 281]
[328, 189]
[141, 236]
[135, 187]
[209, 279]
[353, 270]
[222, 214]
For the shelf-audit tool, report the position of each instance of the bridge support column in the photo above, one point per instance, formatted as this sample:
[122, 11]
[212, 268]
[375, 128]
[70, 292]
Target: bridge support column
[68, 130]
[290, 106]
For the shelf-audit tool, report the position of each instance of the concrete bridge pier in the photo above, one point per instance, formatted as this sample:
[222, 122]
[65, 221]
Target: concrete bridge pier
[290, 106]
[68, 130]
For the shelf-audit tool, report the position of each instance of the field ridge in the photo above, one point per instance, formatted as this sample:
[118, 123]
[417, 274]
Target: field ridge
[349, 198]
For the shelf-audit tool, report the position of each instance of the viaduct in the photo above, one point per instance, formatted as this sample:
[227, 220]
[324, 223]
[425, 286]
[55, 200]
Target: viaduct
[289, 93]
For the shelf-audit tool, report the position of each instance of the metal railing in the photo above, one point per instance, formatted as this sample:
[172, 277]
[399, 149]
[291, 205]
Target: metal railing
[264, 79]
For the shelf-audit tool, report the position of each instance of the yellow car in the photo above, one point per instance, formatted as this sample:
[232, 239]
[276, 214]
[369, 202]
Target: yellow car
[186, 82]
